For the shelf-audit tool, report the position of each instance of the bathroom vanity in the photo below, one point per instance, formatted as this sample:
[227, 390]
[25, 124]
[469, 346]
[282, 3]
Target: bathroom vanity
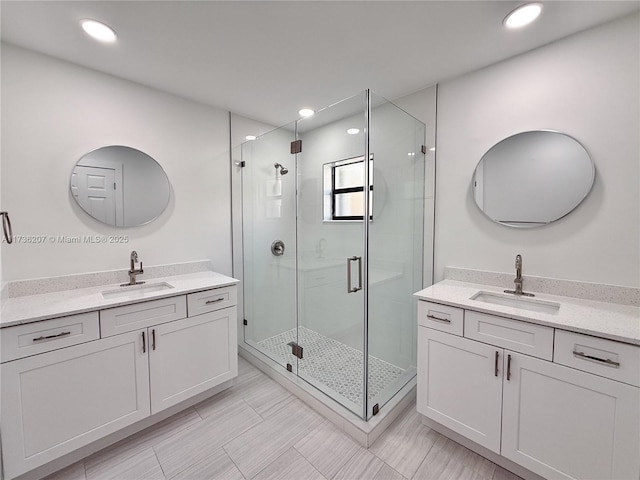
[550, 383]
[80, 365]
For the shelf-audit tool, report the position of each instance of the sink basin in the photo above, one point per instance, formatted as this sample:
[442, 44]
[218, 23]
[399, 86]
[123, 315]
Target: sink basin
[524, 303]
[136, 291]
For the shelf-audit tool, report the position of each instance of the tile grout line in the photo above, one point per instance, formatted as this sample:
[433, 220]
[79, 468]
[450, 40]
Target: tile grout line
[282, 455]
[421, 463]
[197, 413]
[397, 421]
[159, 464]
[247, 429]
[268, 465]
[382, 465]
[232, 461]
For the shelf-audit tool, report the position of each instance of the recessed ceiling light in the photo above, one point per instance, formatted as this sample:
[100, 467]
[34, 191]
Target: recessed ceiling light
[98, 30]
[250, 137]
[523, 15]
[306, 112]
[353, 131]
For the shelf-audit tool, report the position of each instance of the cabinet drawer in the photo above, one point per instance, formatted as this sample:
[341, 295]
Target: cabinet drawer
[39, 337]
[127, 318]
[607, 358]
[440, 317]
[210, 300]
[515, 335]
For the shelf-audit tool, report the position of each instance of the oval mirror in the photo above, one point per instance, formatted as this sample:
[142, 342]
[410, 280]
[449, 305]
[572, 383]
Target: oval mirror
[532, 178]
[120, 186]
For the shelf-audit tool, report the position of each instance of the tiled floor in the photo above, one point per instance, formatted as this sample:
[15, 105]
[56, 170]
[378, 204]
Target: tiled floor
[258, 430]
[332, 363]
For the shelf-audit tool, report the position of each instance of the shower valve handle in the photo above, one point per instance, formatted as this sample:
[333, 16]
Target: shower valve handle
[277, 248]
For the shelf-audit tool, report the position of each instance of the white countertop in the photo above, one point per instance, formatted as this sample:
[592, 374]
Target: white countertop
[606, 320]
[32, 308]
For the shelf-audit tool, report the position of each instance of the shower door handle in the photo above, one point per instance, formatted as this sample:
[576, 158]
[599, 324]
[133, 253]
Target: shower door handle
[351, 289]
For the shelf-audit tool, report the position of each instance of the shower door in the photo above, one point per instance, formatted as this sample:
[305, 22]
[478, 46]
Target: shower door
[269, 245]
[333, 217]
[331, 287]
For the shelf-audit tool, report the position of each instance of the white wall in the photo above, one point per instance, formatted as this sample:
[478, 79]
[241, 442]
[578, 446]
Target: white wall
[586, 86]
[53, 113]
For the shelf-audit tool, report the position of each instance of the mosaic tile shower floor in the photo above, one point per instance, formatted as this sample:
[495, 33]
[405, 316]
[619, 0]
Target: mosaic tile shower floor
[333, 363]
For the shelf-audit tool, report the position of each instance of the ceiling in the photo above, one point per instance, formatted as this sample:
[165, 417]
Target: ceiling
[267, 59]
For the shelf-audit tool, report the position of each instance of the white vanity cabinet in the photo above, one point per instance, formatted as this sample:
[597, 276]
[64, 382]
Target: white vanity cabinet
[189, 355]
[144, 361]
[540, 406]
[56, 402]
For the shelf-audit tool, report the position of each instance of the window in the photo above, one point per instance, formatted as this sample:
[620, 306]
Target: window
[344, 189]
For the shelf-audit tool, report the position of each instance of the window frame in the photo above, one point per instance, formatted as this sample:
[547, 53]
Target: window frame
[334, 192]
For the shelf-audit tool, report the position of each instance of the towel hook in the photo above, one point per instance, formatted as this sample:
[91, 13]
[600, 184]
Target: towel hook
[6, 227]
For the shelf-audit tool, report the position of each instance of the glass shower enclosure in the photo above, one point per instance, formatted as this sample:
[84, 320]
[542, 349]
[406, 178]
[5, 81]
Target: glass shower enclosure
[333, 216]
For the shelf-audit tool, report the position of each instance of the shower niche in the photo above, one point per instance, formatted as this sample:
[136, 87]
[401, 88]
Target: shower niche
[335, 306]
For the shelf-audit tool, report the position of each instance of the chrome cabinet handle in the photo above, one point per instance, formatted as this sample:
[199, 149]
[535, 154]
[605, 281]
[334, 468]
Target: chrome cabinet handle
[445, 320]
[6, 227]
[209, 302]
[62, 334]
[508, 367]
[144, 344]
[495, 368]
[606, 361]
[351, 289]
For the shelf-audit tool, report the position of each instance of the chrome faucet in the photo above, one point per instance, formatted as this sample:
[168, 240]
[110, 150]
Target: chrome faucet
[518, 280]
[132, 271]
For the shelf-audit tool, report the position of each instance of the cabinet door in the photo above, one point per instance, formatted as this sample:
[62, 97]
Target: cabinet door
[460, 385]
[563, 423]
[58, 401]
[192, 355]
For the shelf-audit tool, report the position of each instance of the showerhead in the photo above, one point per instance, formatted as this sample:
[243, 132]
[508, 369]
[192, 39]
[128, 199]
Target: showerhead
[283, 170]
